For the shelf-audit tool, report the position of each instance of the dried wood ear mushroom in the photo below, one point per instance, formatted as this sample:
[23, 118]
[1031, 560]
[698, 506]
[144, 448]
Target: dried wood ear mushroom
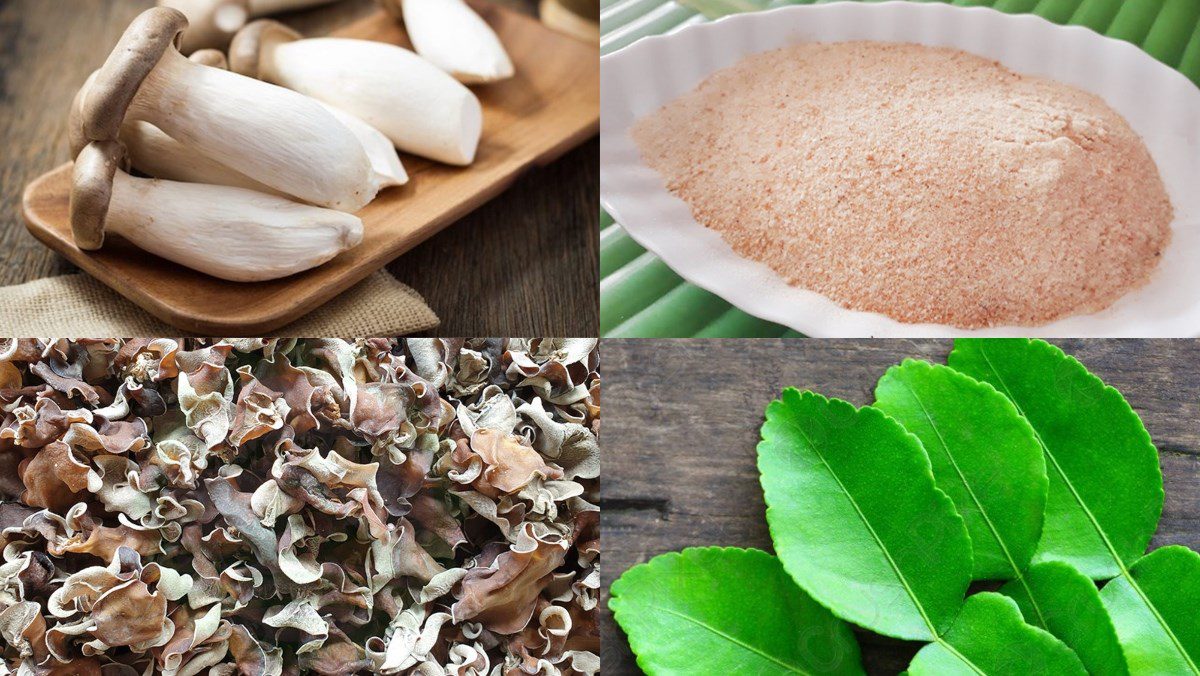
[271, 135]
[299, 506]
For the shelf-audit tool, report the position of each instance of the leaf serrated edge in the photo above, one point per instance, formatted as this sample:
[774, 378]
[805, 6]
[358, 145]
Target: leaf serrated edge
[658, 562]
[929, 367]
[1107, 618]
[1042, 636]
[1108, 391]
[776, 404]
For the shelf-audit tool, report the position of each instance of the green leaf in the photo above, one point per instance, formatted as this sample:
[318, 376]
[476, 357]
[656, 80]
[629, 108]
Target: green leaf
[1106, 490]
[1105, 484]
[722, 610]
[1156, 611]
[1065, 602]
[989, 637]
[715, 9]
[984, 456]
[856, 518]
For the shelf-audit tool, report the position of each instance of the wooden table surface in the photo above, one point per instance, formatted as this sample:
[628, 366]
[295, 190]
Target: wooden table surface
[683, 418]
[524, 264]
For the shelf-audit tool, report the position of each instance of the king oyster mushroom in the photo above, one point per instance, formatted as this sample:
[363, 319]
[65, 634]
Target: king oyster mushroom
[212, 23]
[270, 134]
[420, 108]
[232, 233]
[454, 38]
[156, 154]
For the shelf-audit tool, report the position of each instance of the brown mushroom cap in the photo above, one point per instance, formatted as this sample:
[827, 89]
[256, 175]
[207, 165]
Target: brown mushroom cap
[213, 58]
[246, 48]
[76, 134]
[91, 191]
[102, 109]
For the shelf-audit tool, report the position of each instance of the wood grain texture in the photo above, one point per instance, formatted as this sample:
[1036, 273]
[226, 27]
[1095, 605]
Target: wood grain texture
[524, 263]
[684, 418]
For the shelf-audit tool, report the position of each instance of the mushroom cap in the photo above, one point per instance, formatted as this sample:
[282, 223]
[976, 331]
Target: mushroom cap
[211, 23]
[91, 191]
[246, 49]
[111, 90]
[75, 132]
[213, 58]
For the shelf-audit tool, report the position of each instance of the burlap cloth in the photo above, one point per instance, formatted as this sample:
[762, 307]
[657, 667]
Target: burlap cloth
[79, 306]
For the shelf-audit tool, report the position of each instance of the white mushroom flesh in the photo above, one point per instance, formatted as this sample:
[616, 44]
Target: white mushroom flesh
[154, 153]
[456, 39]
[231, 233]
[420, 108]
[385, 163]
[274, 136]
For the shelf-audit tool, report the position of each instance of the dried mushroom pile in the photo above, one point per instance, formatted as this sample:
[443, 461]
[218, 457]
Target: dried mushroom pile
[281, 506]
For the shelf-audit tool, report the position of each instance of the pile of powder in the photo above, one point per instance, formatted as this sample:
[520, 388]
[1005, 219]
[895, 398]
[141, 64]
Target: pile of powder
[927, 184]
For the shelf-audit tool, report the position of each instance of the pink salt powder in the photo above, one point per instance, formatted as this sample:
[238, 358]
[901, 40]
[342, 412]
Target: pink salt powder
[929, 185]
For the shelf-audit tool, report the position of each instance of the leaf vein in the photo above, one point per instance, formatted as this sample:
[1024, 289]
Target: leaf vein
[974, 498]
[870, 529]
[732, 639]
[1124, 571]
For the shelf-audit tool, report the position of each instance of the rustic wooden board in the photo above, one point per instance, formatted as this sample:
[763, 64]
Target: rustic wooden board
[550, 107]
[684, 416]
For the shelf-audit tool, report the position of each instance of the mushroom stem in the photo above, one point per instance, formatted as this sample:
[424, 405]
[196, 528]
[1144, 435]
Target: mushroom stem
[274, 136]
[420, 108]
[231, 233]
[154, 153]
[456, 39]
[385, 163]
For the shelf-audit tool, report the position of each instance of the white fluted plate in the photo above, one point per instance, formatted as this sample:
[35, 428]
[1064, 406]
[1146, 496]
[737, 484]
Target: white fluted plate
[1160, 104]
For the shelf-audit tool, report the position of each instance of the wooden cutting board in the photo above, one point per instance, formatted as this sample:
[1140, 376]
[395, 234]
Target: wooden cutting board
[550, 107]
